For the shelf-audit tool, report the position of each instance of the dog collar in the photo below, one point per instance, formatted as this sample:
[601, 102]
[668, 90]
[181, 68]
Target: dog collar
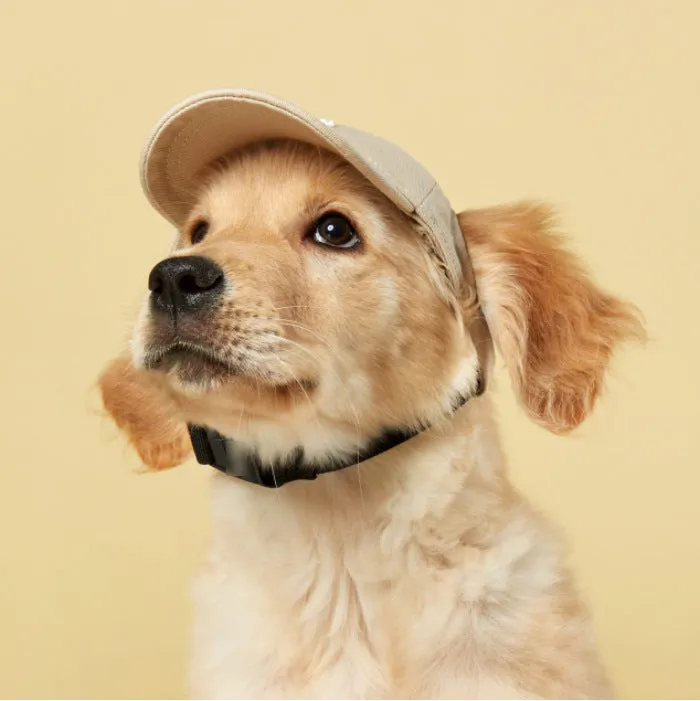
[238, 460]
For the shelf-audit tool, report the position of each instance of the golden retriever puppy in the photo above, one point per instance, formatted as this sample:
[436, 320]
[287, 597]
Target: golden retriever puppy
[309, 332]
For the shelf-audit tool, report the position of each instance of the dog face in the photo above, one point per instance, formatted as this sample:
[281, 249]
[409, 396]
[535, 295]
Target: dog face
[298, 294]
[301, 307]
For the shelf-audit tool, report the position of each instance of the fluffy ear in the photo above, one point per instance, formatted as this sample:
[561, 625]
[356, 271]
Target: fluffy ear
[554, 328]
[145, 412]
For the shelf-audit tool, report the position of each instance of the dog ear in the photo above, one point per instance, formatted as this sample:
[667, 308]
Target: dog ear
[145, 412]
[555, 329]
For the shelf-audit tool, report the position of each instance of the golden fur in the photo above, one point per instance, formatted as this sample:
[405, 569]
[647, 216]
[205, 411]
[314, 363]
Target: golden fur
[421, 573]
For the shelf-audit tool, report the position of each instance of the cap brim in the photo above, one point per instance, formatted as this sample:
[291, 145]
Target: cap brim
[210, 125]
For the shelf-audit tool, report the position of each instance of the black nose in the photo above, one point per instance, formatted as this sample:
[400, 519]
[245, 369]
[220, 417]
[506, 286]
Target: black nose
[189, 283]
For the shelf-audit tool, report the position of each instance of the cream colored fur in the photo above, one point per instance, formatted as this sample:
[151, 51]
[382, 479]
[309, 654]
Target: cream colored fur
[421, 573]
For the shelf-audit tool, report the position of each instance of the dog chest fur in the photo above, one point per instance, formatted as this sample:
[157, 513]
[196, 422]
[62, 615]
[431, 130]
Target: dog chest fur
[431, 579]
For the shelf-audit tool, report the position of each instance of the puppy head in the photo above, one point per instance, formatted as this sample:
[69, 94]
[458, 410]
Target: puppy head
[300, 307]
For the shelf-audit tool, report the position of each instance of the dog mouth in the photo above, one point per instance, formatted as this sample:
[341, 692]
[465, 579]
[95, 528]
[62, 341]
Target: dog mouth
[190, 360]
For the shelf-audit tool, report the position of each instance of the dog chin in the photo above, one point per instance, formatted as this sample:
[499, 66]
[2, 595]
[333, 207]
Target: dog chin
[195, 379]
[191, 385]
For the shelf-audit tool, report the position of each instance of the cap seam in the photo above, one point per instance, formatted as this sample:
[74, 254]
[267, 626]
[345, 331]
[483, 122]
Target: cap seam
[425, 197]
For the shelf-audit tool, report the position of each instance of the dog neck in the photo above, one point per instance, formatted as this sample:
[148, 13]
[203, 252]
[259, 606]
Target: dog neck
[454, 471]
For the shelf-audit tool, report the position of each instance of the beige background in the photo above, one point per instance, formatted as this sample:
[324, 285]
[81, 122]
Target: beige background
[592, 104]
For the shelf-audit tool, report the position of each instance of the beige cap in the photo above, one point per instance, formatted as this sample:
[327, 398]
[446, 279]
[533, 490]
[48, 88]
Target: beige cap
[210, 125]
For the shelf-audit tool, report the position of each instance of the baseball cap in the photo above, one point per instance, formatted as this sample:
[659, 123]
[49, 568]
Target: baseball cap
[208, 126]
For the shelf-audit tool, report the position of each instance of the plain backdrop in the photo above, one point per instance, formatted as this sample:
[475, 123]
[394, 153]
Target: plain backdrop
[594, 106]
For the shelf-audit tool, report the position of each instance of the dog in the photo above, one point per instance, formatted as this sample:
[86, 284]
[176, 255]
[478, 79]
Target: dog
[324, 333]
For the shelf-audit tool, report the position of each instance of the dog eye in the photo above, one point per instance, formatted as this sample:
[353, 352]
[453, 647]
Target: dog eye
[199, 231]
[336, 231]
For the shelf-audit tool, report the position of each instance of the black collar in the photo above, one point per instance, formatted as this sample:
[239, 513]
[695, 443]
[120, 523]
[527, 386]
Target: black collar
[237, 460]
